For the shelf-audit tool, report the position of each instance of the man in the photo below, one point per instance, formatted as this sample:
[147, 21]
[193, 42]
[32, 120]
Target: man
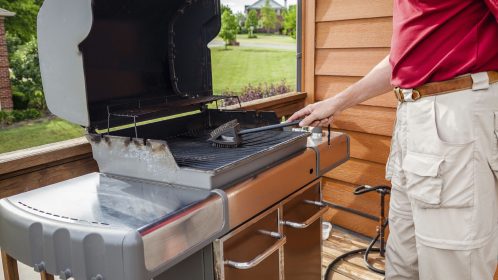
[443, 163]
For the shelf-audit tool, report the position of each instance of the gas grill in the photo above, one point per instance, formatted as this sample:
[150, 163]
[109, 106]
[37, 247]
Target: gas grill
[137, 76]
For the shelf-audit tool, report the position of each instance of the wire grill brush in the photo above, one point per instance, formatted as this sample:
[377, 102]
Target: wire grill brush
[229, 134]
[226, 135]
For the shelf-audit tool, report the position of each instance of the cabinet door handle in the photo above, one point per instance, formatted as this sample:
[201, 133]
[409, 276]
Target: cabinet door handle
[258, 259]
[308, 222]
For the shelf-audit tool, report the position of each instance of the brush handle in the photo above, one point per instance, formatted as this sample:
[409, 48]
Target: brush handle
[269, 127]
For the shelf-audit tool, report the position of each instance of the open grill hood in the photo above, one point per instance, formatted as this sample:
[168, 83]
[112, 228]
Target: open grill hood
[149, 57]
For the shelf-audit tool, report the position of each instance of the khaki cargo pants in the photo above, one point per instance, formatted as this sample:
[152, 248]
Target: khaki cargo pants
[443, 167]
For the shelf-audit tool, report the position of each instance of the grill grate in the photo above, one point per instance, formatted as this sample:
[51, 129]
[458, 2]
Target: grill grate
[196, 152]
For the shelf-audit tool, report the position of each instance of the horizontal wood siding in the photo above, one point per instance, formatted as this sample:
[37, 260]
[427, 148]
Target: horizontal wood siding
[365, 33]
[352, 36]
[334, 10]
[348, 62]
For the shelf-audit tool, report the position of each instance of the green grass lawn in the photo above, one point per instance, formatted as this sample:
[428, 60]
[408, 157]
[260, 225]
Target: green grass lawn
[232, 70]
[267, 39]
[237, 67]
[37, 133]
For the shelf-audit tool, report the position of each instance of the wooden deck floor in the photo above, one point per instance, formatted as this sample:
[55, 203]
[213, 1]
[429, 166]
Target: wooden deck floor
[341, 242]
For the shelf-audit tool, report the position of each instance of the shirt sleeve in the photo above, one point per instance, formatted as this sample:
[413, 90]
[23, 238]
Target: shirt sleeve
[493, 7]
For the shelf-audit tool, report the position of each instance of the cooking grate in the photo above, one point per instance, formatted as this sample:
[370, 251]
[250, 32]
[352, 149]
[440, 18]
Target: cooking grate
[196, 152]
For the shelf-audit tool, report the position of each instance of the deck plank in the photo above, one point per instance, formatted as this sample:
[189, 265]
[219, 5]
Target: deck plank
[340, 242]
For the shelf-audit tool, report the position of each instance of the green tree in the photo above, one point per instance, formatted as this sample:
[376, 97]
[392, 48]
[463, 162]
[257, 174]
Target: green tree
[229, 27]
[268, 17]
[225, 8]
[23, 52]
[252, 19]
[25, 75]
[290, 22]
[241, 18]
[22, 27]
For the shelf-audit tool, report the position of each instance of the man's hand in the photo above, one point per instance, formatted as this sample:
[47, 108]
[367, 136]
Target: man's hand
[317, 114]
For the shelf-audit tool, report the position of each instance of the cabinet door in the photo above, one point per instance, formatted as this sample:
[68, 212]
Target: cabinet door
[302, 214]
[253, 251]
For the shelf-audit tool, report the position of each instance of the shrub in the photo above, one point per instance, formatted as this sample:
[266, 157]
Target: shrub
[8, 118]
[25, 75]
[250, 92]
[31, 114]
[20, 100]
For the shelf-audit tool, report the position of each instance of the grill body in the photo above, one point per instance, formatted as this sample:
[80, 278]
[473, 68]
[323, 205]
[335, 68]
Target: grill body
[164, 193]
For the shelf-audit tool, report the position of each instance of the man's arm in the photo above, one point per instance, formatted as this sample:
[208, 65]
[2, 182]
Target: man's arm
[493, 7]
[376, 82]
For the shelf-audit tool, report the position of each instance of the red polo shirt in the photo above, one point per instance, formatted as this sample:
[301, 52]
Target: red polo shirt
[437, 40]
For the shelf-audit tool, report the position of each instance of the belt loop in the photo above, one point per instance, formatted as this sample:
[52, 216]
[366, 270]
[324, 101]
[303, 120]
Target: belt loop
[480, 81]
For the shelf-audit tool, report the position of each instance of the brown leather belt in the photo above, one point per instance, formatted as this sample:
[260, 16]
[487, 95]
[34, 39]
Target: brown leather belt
[444, 87]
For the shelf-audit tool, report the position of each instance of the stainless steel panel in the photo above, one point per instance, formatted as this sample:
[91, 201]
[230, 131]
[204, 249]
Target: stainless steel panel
[172, 237]
[252, 251]
[333, 155]
[302, 227]
[118, 227]
[99, 199]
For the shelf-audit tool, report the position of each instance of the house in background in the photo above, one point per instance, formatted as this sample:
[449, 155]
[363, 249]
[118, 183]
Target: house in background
[259, 4]
[279, 10]
[5, 87]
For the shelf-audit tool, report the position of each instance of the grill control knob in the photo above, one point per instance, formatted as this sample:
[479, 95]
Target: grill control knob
[39, 267]
[65, 274]
[97, 277]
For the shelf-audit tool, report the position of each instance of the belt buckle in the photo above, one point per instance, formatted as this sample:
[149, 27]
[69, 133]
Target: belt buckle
[399, 94]
[406, 95]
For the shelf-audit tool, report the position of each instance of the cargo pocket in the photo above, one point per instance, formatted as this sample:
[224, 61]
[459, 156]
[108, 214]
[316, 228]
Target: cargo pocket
[441, 181]
[423, 181]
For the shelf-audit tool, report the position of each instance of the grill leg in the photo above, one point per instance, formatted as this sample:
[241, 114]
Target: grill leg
[46, 276]
[10, 271]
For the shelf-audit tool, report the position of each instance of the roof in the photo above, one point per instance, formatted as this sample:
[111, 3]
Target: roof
[5, 13]
[261, 3]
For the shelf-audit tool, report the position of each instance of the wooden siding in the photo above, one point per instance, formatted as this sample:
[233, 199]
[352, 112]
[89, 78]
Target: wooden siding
[351, 36]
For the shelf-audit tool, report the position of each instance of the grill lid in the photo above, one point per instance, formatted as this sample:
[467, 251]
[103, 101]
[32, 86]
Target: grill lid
[134, 59]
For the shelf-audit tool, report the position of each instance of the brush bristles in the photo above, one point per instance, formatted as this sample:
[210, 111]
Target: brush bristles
[224, 128]
[226, 135]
